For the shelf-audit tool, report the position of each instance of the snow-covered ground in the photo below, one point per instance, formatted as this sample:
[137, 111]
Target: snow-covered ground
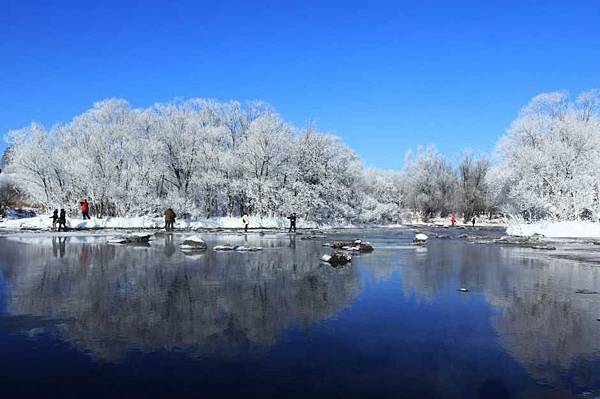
[44, 222]
[500, 222]
[567, 229]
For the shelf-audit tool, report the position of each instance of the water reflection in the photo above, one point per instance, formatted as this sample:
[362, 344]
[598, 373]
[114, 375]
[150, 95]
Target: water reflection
[522, 309]
[111, 299]
[538, 316]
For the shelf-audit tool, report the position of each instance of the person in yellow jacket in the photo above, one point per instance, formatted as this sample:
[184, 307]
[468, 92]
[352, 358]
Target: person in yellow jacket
[169, 219]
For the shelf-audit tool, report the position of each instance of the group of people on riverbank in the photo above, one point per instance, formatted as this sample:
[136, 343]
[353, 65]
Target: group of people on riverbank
[170, 220]
[453, 220]
[59, 219]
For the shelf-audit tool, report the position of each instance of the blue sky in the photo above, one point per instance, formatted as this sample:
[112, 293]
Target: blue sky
[385, 76]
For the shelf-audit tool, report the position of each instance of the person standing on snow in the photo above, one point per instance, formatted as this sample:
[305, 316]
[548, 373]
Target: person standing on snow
[54, 218]
[473, 221]
[62, 220]
[453, 220]
[246, 221]
[169, 219]
[292, 218]
[85, 209]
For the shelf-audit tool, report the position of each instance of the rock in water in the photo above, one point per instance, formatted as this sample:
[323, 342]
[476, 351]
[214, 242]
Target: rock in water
[134, 238]
[464, 290]
[240, 248]
[244, 248]
[224, 247]
[337, 259]
[356, 245]
[420, 238]
[194, 243]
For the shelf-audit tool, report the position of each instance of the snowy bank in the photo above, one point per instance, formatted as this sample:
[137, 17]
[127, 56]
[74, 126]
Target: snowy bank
[574, 229]
[44, 222]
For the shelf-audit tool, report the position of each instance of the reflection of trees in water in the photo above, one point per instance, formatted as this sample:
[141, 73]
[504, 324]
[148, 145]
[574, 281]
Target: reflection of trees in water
[117, 298]
[544, 323]
[540, 319]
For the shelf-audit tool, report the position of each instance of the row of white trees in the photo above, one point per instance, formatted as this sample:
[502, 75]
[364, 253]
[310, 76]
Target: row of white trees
[206, 158]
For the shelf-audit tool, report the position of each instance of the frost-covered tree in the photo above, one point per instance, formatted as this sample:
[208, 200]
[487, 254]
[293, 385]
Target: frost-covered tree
[384, 196]
[550, 158]
[432, 183]
[472, 182]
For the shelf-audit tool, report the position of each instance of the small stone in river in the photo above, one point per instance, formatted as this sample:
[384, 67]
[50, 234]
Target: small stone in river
[464, 290]
[337, 259]
[420, 238]
[224, 247]
[195, 243]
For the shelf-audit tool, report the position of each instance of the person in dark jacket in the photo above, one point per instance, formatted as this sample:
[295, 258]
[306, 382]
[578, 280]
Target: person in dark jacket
[292, 218]
[62, 220]
[169, 219]
[245, 221]
[473, 221]
[54, 218]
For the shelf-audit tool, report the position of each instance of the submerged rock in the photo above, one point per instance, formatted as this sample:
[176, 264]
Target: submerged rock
[313, 237]
[133, 238]
[240, 248]
[224, 247]
[587, 292]
[244, 248]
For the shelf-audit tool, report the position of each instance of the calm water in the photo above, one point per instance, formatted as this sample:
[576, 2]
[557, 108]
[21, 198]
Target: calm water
[83, 318]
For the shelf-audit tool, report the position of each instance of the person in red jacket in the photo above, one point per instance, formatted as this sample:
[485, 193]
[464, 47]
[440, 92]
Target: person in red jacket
[453, 219]
[85, 209]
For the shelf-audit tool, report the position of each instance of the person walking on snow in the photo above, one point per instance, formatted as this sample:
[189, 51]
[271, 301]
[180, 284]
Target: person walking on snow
[453, 220]
[473, 221]
[54, 218]
[85, 209]
[169, 219]
[292, 218]
[62, 220]
[246, 221]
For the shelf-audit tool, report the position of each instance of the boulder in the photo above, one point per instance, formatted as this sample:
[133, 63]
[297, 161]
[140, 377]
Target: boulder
[194, 243]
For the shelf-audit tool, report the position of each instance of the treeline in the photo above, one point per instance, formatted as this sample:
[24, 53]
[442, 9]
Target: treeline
[205, 158]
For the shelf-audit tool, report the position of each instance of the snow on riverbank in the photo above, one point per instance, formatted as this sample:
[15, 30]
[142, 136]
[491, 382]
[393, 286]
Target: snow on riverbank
[573, 229]
[44, 222]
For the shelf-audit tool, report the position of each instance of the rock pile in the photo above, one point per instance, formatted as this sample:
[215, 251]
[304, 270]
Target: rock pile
[337, 259]
[356, 246]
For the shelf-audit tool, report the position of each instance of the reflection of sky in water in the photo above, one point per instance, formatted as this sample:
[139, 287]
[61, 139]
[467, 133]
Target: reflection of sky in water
[279, 322]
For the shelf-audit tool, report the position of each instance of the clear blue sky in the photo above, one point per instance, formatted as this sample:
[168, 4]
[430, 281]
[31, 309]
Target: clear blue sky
[385, 76]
